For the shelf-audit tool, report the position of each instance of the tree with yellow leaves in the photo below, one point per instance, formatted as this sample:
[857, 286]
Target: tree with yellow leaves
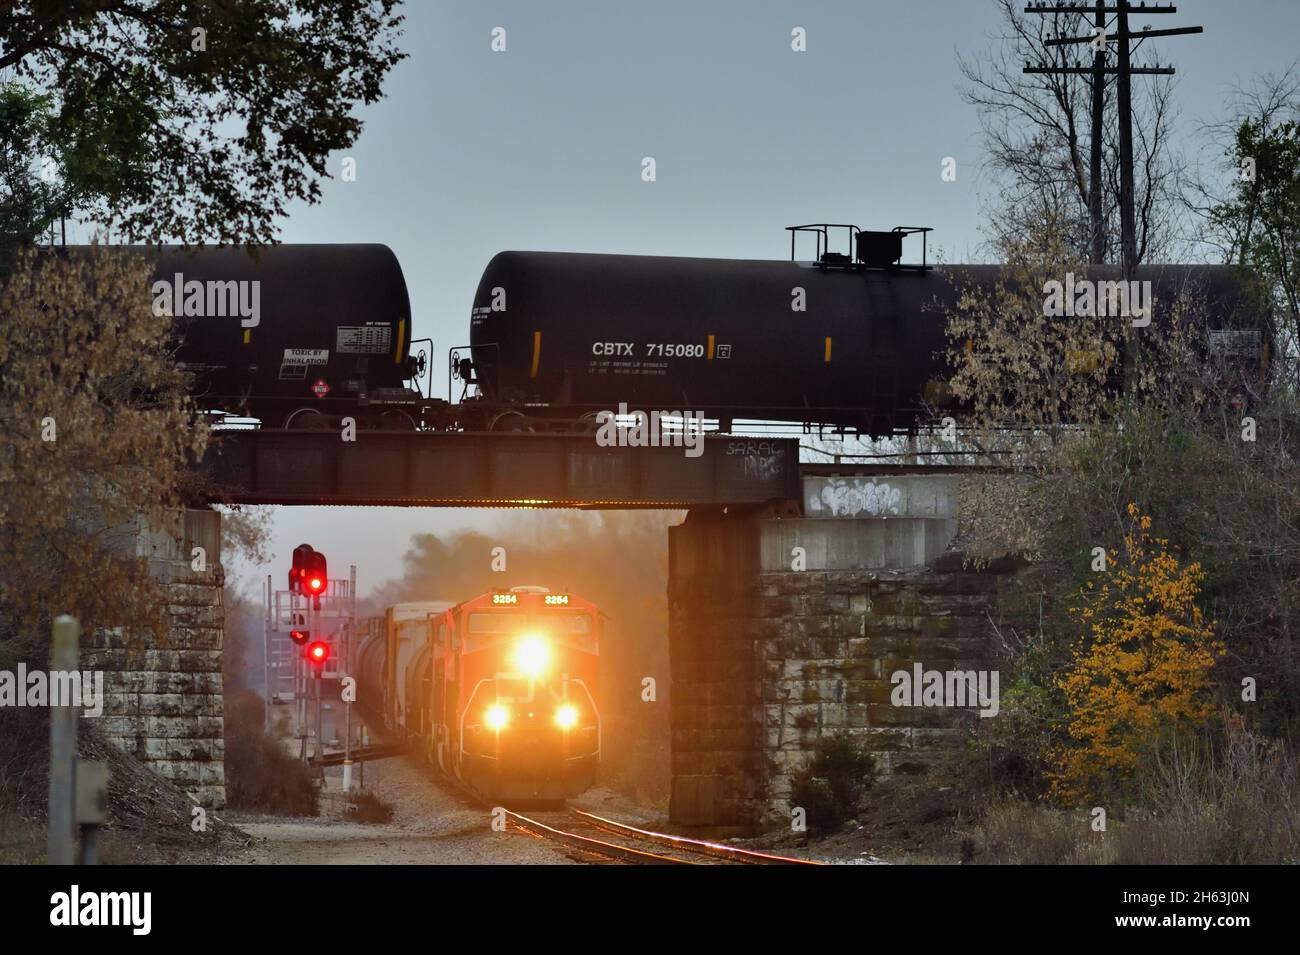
[1142, 666]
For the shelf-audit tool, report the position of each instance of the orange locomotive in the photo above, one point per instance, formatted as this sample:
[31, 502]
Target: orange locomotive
[499, 691]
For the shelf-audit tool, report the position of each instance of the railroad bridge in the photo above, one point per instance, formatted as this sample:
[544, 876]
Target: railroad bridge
[795, 592]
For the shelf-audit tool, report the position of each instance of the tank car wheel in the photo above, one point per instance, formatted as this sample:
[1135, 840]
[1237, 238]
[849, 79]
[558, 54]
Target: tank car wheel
[307, 419]
[510, 421]
[396, 421]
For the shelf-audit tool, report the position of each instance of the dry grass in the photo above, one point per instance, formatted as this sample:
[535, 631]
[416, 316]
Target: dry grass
[1230, 800]
[22, 841]
[365, 806]
[260, 775]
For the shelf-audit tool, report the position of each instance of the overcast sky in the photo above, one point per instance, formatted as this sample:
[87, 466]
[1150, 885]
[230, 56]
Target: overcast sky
[541, 146]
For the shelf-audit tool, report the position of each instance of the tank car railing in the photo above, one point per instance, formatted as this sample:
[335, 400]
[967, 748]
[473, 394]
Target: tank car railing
[855, 258]
[924, 231]
[821, 231]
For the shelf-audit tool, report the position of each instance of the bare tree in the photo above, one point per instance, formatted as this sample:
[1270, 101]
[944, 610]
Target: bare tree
[1037, 130]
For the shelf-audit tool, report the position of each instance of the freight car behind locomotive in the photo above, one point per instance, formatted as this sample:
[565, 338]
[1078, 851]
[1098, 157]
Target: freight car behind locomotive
[499, 691]
[852, 341]
[396, 649]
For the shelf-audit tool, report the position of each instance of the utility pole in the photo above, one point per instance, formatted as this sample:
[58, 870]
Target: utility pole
[1124, 71]
[1100, 40]
[1124, 89]
[1096, 208]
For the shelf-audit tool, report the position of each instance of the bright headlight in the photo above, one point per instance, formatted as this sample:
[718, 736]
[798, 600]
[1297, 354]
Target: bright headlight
[566, 717]
[532, 655]
[497, 716]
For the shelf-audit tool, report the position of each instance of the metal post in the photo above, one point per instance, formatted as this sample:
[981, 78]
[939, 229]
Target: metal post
[352, 613]
[63, 747]
[92, 806]
[320, 736]
[348, 671]
[300, 703]
[347, 711]
[269, 690]
[90, 845]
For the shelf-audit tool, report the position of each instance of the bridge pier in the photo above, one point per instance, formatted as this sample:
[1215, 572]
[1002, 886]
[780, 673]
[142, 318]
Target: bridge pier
[772, 647]
[163, 700]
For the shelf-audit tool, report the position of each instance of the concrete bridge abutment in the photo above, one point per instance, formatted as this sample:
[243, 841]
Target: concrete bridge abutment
[785, 629]
[163, 697]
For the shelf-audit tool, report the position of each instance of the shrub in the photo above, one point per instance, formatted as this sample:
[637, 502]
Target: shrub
[261, 776]
[365, 806]
[1143, 665]
[830, 788]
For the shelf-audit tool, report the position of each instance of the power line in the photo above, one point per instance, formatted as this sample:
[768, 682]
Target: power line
[1101, 39]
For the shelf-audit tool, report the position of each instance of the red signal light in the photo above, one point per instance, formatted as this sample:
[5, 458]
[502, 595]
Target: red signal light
[300, 636]
[318, 652]
[316, 573]
[303, 557]
[310, 573]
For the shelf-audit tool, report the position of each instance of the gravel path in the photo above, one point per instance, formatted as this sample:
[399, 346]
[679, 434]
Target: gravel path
[431, 825]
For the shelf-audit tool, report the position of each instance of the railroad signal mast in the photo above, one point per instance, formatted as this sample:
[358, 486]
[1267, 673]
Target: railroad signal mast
[308, 630]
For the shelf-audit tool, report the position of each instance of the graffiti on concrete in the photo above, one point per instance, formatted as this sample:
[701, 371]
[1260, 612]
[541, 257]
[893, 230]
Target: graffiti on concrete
[853, 497]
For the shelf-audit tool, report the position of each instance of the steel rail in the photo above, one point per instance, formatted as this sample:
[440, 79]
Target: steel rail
[594, 846]
[713, 849]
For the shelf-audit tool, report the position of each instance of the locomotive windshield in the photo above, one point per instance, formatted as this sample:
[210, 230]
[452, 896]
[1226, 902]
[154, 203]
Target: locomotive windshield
[497, 622]
[494, 622]
[565, 622]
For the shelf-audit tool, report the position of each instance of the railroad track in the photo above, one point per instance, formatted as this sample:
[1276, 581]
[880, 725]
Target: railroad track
[595, 838]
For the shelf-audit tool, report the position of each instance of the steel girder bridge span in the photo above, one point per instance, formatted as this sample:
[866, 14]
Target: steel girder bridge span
[460, 469]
